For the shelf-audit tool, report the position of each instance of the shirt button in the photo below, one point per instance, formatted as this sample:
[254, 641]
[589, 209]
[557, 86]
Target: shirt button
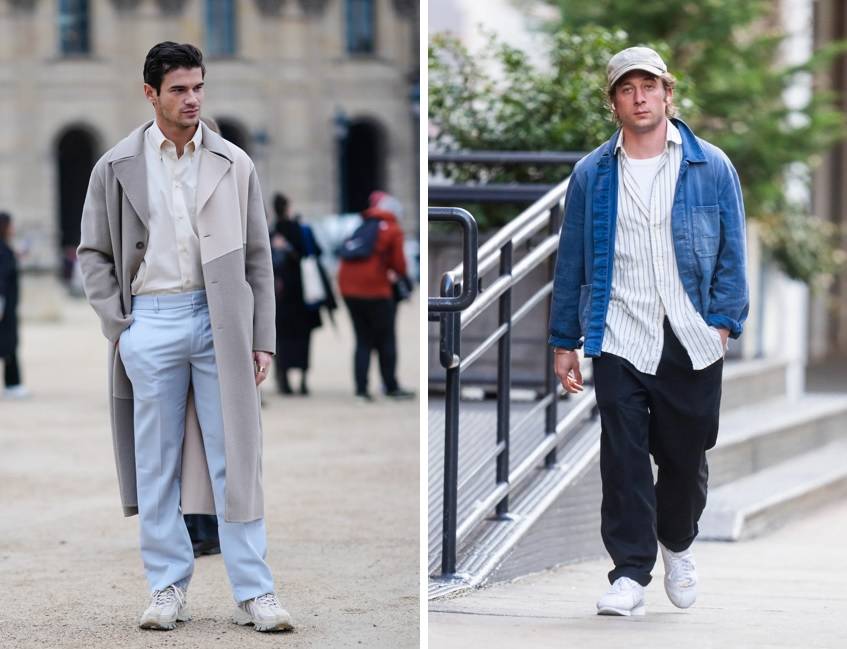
[139, 245]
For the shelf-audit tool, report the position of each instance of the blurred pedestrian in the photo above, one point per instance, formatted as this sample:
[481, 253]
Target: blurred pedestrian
[185, 298]
[302, 289]
[14, 388]
[651, 272]
[372, 264]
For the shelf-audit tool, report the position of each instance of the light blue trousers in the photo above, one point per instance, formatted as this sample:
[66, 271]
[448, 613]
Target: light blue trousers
[168, 345]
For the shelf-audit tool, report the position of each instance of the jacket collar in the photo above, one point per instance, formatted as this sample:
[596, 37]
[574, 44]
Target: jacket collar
[692, 152]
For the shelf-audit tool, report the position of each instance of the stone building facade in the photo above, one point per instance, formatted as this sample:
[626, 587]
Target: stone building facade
[323, 94]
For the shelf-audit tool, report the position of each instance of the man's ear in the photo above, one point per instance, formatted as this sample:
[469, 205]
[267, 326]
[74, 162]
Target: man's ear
[151, 94]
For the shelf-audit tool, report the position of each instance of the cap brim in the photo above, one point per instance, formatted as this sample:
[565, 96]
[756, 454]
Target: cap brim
[652, 69]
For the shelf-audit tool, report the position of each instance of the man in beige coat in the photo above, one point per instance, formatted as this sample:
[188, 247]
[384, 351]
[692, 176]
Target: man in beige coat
[176, 262]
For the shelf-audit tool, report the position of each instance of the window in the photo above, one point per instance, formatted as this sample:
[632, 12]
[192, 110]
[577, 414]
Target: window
[73, 27]
[220, 28]
[360, 26]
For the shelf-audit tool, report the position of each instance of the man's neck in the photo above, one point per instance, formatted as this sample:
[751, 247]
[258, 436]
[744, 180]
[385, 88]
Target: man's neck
[646, 144]
[179, 136]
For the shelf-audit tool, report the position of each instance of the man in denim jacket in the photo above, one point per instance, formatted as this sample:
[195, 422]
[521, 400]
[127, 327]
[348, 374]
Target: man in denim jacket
[651, 278]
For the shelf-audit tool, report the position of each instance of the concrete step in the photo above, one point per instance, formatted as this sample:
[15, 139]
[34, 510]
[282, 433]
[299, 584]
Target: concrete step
[749, 382]
[762, 435]
[754, 504]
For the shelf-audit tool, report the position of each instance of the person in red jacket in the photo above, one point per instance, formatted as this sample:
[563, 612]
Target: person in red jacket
[367, 288]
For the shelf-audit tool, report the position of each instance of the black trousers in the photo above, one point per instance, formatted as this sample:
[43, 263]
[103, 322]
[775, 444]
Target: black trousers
[11, 371]
[673, 416]
[201, 527]
[373, 322]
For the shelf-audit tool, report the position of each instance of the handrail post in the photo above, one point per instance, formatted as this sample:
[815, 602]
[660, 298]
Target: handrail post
[552, 382]
[454, 298]
[451, 335]
[504, 377]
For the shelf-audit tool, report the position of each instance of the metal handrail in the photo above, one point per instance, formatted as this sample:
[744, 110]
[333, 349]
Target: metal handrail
[468, 273]
[518, 230]
[544, 215]
[505, 282]
[448, 310]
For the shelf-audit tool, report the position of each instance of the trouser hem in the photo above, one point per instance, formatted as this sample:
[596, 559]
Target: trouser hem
[633, 573]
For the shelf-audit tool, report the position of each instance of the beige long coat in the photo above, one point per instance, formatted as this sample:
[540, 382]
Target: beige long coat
[236, 260]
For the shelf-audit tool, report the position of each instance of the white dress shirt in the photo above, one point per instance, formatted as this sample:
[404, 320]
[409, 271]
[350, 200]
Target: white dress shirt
[646, 285]
[172, 259]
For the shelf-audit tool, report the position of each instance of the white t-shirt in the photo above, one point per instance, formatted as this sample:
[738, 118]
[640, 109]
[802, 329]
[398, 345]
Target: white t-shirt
[644, 172]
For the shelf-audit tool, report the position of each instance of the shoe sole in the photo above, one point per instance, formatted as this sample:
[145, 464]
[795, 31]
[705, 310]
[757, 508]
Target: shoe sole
[157, 625]
[243, 619]
[608, 610]
[153, 625]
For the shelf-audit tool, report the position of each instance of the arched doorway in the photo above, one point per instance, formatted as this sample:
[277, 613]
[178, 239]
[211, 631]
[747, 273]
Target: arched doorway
[76, 153]
[234, 131]
[362, 163]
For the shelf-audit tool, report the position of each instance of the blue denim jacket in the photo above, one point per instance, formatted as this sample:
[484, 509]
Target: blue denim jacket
[707, 222]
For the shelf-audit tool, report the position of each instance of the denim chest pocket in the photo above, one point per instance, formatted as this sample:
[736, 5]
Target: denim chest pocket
[706, 226]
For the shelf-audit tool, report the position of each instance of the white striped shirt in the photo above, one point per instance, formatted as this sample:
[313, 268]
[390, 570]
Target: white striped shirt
[646, 285]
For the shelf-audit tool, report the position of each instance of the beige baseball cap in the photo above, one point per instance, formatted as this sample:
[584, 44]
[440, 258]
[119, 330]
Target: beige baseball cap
[634, 58]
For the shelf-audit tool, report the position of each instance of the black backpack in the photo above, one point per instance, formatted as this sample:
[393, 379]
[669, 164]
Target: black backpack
[360, 244]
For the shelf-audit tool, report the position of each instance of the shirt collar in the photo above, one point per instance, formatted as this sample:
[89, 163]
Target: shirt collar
[672, 136]
[160, 142]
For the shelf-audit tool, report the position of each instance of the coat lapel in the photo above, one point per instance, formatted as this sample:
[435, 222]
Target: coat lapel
[132, 175]
[130, 168]
[213, 168]
[214, 164]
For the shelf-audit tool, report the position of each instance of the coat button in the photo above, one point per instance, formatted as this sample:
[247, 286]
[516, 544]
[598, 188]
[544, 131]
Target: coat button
[139, 245]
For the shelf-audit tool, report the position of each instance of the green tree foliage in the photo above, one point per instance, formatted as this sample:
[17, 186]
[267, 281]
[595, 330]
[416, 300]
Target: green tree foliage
[731, 91]
[497, 99]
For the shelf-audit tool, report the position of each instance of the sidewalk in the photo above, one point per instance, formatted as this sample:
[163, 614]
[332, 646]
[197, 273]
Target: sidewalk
[341, 493]
[783, 590]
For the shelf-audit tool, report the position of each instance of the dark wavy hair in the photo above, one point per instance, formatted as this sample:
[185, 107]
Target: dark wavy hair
[167, 56]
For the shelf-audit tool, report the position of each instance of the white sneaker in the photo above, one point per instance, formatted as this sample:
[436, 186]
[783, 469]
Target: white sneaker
[680, 576]
[625, 597]
[166, 607]
[264, 613]
[16, 392]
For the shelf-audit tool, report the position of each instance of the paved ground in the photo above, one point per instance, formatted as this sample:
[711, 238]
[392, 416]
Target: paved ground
[342, 494]
[785, 590]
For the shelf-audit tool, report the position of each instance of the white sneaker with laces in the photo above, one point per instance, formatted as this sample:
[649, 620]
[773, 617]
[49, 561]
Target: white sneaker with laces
[265, 614]
[680, 576]
[625, 597]
[166, 608]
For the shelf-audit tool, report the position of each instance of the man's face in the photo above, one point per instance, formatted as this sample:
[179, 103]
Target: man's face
[178, 102]
[640, 100]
